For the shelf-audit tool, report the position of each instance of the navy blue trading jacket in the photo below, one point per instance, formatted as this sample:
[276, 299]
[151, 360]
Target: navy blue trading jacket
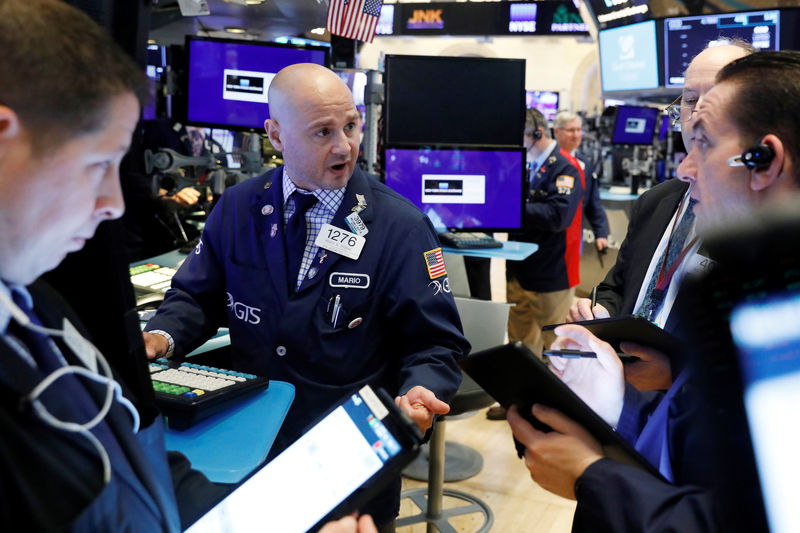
[398, 326]
[553, 221]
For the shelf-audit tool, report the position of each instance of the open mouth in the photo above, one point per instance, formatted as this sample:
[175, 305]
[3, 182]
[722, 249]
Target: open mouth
[338, 167]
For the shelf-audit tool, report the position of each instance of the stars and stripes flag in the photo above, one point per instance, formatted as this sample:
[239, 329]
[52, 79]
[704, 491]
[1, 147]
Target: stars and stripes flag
[435, 263]
[354, 19]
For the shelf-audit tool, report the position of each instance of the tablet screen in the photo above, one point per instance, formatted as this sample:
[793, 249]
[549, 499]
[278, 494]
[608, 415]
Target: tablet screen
[312, 476]
[767, 336]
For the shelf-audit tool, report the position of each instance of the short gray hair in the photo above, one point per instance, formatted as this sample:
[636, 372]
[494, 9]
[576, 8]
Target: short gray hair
[562, 117]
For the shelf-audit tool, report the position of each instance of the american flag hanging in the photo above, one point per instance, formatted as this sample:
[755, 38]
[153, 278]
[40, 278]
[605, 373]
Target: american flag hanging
[354, 19]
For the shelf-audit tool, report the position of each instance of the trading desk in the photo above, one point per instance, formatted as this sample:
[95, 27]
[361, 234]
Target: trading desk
[511, 250]
[229, 445]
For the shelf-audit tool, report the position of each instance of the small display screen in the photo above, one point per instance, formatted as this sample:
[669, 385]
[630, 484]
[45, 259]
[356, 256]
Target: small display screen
[634, 125]
[544, 101]
[229, 80]
[461, 188]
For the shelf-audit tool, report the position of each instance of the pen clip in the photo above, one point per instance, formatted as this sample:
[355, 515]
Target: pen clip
[337, 306]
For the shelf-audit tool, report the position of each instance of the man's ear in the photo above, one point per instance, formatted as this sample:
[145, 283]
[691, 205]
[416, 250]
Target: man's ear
[9, 123]
[764, 178]
[274, 133]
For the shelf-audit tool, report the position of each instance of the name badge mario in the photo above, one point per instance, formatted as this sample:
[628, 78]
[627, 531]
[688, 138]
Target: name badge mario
[347, 280]
[340, 241]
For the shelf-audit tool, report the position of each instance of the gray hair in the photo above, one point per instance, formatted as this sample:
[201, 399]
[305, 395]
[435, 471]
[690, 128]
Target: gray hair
[562, 117]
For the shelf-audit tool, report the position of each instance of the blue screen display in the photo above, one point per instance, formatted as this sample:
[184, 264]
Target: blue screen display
[634, 125]
[460, 188]
[628, 57]
[228, 80]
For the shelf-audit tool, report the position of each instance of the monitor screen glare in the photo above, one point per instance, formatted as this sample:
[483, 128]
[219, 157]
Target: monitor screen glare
[228, 80]
[628, 57]
[544, 101]
[461, 189]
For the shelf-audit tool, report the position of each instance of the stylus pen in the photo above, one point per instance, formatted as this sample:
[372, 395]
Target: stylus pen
[571, 354]
[594, 297]
[574, 354]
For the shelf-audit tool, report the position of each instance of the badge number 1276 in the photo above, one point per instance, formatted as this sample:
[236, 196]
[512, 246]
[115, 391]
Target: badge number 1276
[340, 241]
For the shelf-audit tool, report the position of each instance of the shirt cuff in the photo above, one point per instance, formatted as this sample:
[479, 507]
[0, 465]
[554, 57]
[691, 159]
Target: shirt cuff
[171, 348]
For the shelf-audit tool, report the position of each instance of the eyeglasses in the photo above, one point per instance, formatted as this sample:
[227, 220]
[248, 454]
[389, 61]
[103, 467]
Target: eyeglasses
[681, 112]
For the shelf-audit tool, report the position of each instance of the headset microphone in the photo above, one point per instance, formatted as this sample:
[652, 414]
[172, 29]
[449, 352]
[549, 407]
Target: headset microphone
[537, 133]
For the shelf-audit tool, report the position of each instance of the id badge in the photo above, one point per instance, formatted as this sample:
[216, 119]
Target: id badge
[355, 224]
[340, 241]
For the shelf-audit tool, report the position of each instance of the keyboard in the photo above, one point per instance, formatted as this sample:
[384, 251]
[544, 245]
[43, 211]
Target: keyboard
[152, 277]
[187, 393]
[468, 240]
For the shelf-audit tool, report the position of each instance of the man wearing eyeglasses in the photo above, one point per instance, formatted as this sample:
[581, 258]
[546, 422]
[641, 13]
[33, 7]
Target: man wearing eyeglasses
[568, 131]
[744, 158]
[642, 281]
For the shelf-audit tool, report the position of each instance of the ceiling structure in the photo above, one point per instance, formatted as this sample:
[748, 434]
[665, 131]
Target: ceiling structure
[264, 22]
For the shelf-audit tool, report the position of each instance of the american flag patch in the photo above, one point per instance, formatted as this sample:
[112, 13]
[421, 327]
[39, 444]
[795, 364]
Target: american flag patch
[435, 263]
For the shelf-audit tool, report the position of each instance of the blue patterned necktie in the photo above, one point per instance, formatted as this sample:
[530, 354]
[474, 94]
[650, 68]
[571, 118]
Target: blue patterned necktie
[533, 168]
[654, 297]
[295, 236]
[38, 344]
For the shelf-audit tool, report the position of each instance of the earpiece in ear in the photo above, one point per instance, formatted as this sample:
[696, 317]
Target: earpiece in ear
[758, 156]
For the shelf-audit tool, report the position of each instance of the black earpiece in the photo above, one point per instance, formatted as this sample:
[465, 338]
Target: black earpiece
[758, 156]
[537, 133]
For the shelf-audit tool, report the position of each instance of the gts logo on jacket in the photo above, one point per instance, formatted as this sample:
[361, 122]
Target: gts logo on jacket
[243, 312]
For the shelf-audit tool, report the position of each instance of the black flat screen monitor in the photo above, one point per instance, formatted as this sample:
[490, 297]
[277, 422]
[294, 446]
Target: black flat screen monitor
[454, 100]
[685, 37]
[228, 79]
[471, 189]
[544, 101]
[634, 125]
[629, 58]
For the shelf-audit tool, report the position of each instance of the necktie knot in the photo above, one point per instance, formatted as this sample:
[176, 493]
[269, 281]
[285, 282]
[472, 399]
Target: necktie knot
[302, 203]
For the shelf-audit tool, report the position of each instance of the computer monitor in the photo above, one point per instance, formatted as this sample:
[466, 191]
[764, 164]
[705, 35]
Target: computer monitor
[478, 189]
[544, 101]
[685, 37]
[356, 81]
[228, 79]
[432, 100]
[634, 125]
[628, 57]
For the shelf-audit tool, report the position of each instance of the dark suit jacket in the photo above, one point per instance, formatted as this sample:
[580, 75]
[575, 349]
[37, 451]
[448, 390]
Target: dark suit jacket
[650, 215]
[51, 480]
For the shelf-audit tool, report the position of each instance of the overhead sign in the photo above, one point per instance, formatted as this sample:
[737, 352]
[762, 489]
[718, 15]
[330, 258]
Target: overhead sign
[551, 17]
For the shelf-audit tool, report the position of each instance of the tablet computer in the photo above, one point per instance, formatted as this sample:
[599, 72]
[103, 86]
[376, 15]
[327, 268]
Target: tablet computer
[630, 328]
[334, 468]
[513, 375]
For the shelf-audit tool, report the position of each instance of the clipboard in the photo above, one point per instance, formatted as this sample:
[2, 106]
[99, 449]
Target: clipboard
[633, 329]
[513, 375]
